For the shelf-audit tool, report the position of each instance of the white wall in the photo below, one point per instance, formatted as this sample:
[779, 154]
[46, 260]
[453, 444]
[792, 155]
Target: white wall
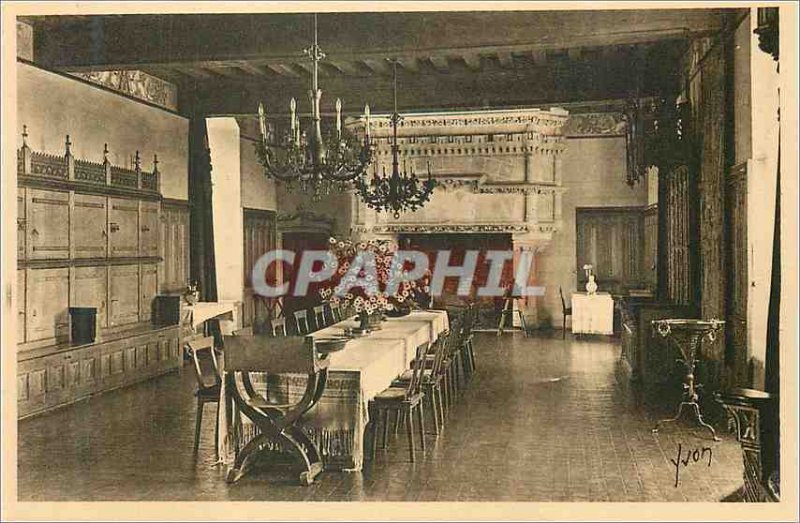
[53, 106]
[761, 178]
[226, 197]
[258, 192]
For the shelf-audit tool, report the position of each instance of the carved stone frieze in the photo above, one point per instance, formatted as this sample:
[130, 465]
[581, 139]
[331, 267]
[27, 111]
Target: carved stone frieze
[431, 228]
[137, 84]
[595, 124]
[305, 220]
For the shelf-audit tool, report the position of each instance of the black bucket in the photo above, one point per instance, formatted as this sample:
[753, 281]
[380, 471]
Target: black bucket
[83, 322]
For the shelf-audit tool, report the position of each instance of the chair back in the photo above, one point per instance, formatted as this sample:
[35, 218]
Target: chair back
[205, 356]
[301, 322]
[336, 313]
[441, 347]
[278, 325]
[417, 369]
[319, 316]
[563, 303]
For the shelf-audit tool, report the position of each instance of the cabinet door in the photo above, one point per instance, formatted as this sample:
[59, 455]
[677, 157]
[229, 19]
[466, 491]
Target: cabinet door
[21, 223]
[123, 227]
[123, 295]
[47, 224]
[89, 222]
[89, 289]
[47, 302]
[148, 228]
[20, 305]
[147, 290]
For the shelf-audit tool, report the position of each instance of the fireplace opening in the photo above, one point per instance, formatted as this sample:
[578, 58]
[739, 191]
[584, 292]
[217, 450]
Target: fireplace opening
[458, 244]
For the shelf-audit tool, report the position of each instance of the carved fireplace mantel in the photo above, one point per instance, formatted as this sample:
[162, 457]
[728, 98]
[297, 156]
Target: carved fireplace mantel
[498, 171]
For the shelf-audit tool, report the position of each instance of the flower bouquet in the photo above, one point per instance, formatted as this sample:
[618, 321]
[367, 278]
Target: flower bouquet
[365, 282]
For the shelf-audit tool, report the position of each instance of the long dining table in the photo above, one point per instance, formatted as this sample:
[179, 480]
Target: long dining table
[338, 421]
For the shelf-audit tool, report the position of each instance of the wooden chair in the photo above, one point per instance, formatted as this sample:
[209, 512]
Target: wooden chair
[565, 311]
[278, 326]
[466, 346]
[405, 400]
[336, 313]
[319, 316]
[301, 322]
[432, 378]
[209, 380]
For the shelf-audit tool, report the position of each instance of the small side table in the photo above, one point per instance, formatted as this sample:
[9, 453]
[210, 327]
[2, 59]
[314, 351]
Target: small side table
[688, 335]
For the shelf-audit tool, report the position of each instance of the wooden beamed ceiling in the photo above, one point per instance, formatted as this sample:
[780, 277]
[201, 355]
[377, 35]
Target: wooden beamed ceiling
[225, 64]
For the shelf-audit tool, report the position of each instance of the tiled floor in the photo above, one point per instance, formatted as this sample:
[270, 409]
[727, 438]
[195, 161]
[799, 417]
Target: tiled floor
[544, 420]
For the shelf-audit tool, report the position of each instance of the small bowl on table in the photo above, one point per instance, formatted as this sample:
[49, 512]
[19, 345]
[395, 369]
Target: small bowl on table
[329, 345]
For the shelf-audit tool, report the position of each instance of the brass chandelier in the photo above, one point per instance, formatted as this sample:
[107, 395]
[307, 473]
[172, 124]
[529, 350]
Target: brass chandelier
[316, 160]
[398, 192]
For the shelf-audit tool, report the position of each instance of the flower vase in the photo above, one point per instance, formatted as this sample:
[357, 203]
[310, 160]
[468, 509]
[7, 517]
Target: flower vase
[591, 285]
[363, 322]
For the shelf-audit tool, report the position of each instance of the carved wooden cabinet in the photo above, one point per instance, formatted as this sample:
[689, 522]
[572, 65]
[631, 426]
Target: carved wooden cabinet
[89, 235]
[123, 295]
[47, 224]
[89, 288]
[89, 225]
[148, 228]
[73, 373]
[47, 304]
[123, 227]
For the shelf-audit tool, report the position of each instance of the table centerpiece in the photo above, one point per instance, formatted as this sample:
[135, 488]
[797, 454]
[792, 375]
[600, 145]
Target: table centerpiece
[362, 282]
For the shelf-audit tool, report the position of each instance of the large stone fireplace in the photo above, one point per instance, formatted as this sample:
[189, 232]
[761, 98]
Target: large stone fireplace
[499, 173]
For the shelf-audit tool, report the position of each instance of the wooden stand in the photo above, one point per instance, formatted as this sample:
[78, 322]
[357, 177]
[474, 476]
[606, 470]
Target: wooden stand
[508, 312]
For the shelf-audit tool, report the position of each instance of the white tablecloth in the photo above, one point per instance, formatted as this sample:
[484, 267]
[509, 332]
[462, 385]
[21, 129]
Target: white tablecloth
[225, 311]
[592, 313]
[356, 374]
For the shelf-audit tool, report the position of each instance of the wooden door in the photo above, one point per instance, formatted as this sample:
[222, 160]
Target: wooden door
[89, 226]
[47, 224]
[123, 295]
[47, 302]
[147, 289]
[174, 268]
[20, 305]
[148, 228]
[21, 223]
[736, 350]
[90, 289]
[123, 227]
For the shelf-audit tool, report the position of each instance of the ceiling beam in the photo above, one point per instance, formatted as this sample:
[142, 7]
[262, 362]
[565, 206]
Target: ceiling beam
[131, 41]
[378, 66]
[253, 69]
[409, 64]
[473, 61]
[439, 63]
[505, 59]
[522, 86]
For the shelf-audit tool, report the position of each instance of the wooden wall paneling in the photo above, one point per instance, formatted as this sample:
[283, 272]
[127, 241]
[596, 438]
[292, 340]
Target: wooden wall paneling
[650, 247]
[148, 288]
[737, 350]
[21, 305]
[260, 236]
[21, 227]
[47, 302]
[89, 288]
[710, 114]
[149, 228]
[174, 267]
[123, 227]
[123, 294]
[47, 224]
[89, 226]
[610, 239]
